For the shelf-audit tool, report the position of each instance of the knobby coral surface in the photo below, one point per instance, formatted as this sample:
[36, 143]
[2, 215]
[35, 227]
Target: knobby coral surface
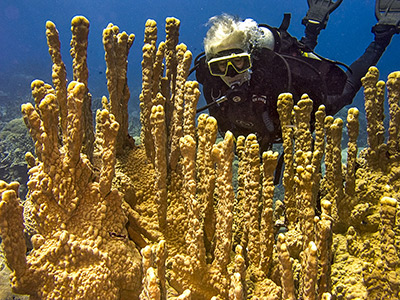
[80, 245]
[367, 252]
[331, 236]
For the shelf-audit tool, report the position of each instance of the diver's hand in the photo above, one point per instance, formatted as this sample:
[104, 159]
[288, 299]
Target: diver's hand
[388, 15]
[319, 10]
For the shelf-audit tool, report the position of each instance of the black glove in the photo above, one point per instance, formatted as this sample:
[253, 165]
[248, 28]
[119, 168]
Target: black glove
[387, 12]
[318, 12]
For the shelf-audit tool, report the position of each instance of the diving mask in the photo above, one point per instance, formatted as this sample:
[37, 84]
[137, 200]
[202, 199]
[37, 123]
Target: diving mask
[240, 62]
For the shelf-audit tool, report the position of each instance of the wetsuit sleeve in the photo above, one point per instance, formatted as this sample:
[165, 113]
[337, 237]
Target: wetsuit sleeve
[310, 39]
[358, 69]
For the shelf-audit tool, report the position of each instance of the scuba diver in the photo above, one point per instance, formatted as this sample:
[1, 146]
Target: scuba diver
[246, 66]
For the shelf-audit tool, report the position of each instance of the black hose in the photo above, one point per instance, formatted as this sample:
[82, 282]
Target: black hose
[332, 61]
[196, 63]
[289, 73]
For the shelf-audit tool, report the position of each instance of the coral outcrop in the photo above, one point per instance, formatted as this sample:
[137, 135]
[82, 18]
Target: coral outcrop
[94, 202]
[80, 244]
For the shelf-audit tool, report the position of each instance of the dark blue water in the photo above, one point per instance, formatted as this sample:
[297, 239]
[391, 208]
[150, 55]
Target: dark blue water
[24, 55]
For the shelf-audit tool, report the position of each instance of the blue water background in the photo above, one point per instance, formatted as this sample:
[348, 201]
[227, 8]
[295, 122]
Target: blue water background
[24, 54]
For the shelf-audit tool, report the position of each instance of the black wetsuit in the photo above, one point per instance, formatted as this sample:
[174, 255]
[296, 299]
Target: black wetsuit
[276, 72]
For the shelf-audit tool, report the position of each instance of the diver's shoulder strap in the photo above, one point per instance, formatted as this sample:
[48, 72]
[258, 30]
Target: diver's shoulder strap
[285, 22]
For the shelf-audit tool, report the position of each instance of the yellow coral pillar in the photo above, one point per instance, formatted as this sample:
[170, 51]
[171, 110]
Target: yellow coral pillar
[285, 106]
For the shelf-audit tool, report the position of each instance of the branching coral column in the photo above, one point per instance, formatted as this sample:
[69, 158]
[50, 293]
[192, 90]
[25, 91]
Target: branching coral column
[374, 110]
[304, 174]
[223, 156]
[285, 106]
[381, 274]
[192, 94]
[302, 116]
[160, 161]
[304, 192]
[117, 46]
[171, 41]
[241, 207]
[267, 239]
[59, 72]
[79, 43]
[333, 162]
[287, 281]
[352, 130]
[194, 236]
[237, 290]
[389, 253]
[12, 233]
[393, 86]
[310, 271]
[184, 59]
[148, 83]
[252, 191]
[206, 175]
[319, 150]
[154, 279]
[323, 237]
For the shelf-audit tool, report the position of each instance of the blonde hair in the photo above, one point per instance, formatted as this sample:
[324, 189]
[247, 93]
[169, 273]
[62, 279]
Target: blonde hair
[229, 32]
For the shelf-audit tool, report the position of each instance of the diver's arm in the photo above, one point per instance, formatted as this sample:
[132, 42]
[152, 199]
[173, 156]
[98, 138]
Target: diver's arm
[388, 25]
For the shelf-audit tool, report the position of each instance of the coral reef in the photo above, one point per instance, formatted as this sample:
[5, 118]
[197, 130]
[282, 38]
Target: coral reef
[97, 197]
[14, 142]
